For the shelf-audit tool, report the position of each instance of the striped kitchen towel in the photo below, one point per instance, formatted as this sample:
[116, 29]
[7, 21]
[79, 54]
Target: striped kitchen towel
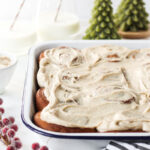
[120, 145]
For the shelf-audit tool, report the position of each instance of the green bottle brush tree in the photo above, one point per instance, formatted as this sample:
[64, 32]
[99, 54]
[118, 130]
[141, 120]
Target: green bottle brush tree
[132, 16]
[101, 24]
[118, 12]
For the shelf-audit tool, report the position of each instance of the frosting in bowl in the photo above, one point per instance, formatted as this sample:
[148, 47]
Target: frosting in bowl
[103, 87]
[4, 62]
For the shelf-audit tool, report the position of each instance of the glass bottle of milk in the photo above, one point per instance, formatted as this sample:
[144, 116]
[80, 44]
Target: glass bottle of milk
[17, 31]
[56, 20]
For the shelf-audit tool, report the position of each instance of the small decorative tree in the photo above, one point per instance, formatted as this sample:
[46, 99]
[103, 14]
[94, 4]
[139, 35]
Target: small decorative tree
[132, 16]
[101, 24]
[118, 12]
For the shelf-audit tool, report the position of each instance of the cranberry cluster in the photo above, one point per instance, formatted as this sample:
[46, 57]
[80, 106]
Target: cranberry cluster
[36, 146]
[8, 130]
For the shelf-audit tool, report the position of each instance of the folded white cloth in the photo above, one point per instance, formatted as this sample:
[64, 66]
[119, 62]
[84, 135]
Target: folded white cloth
[127, 145]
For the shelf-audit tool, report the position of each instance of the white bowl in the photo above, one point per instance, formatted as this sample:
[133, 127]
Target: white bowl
[7, 72]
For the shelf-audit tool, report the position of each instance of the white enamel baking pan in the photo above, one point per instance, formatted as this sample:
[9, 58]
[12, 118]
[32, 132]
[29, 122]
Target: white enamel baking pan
[71, 141]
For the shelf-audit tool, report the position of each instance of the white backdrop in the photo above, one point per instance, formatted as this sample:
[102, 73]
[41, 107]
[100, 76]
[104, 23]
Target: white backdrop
[82, 8]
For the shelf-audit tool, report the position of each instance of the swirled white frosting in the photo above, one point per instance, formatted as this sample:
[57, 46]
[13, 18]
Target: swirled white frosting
[104, 87]
[4, 62]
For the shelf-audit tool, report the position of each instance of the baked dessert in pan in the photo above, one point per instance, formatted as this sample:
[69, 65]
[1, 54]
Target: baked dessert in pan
[97, 89]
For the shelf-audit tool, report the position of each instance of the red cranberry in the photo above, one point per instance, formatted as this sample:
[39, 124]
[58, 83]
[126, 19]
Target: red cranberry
[44, 148]
[11, 119]
[4, 130]
[15, 127]
[18, 144]
[16, 139]
[1, 101]
[35, 146]
[6, 121]
[11, 133]
[2, 110]
[10, 147]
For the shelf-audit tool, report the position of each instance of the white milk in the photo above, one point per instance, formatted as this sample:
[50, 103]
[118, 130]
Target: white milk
[19, 39]
[66, 25]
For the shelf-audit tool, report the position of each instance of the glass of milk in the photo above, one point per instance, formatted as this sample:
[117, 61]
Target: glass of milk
[66, 26]
[22, 36]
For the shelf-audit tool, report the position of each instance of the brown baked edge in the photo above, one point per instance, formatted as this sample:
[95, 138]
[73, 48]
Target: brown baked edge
[41, 100]
[58, 128]
[41, 56]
